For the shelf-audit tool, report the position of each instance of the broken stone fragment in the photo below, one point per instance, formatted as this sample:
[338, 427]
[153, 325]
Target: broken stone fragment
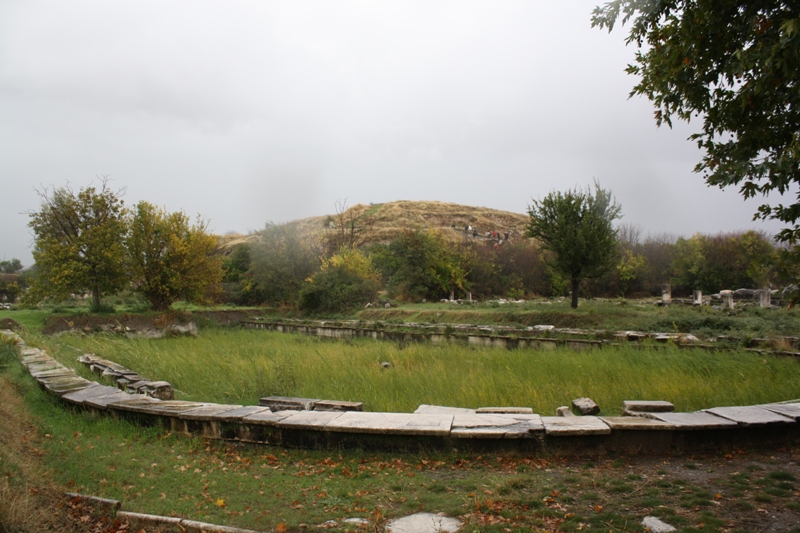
[161, 390]
[586, 406]
[564, 410]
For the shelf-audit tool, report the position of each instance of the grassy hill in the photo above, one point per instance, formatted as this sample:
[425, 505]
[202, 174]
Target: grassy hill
[385, 222]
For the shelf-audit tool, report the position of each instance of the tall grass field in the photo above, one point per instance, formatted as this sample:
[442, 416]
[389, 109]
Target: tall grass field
[240, 366]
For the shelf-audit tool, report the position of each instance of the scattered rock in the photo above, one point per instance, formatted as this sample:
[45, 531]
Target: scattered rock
[423, 523]
[359, 521]
[656, 526]
[564, 410]
[586, 406]
[386, 364]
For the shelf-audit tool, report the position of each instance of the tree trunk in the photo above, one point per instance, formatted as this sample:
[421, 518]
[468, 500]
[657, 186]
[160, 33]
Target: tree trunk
[575, 283]
[96, 297]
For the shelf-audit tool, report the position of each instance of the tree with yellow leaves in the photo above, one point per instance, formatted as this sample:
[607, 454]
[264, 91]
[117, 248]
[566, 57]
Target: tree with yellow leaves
[170, 258]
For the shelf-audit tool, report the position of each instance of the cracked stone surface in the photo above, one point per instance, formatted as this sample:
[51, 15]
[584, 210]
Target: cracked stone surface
[424, 523]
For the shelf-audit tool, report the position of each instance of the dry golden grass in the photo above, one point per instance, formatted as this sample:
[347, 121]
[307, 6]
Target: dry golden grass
[385, 222]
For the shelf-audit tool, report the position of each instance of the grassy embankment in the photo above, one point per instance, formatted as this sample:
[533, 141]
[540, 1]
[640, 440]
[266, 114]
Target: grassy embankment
[611, 315]
[293, 490]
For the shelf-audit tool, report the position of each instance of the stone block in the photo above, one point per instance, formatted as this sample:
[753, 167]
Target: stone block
[207, 412]
[392, 423]
[466, 425]
[141, 520]
[55, 373]
[161, 390]
[423, 523]
[36, 358]
[586, 406]
[635, 423]
[469, 420]
[338, 405]
[43, 366]
[236, 415]
[750, 415]
[133, 403]
[104, 503]
[441, 410]
[505, 410]
[568, 426]
[266, 418]
[638, 407]
[309, 419]
[78, 396]
[151, 406]
[694, 421]
[516, 431]
[727, 299]
[193, 526]
[286, 403]
[61, 385]
[102, 401]
[792, 410]
[564, 410]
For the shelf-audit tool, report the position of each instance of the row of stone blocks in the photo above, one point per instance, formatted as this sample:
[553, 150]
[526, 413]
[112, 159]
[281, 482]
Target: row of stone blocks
[128, 380]
[429, 426]
[505, 337]
[142, 521]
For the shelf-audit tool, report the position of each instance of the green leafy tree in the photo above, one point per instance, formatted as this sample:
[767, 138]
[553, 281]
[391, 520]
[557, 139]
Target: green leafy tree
[11, 286]
[170, 258]
[78, 244]
[281, 261]
[11, 267]
[724, 261]
[736, 65]
[422, 264]
[345, 281]
[576, 227]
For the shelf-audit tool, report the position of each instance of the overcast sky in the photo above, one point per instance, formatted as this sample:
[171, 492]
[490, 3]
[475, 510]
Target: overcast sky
[248, 112]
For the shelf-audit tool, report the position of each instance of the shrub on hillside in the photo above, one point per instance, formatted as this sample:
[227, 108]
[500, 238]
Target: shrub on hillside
[346, 281]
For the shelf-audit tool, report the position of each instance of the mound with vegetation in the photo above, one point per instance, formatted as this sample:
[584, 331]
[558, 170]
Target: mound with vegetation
[383, 223]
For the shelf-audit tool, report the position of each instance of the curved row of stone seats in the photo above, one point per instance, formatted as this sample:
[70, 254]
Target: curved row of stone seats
[429, 426]
[128, 380]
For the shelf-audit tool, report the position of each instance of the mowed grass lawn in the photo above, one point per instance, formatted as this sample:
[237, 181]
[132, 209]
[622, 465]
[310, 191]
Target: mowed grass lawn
[240, 366]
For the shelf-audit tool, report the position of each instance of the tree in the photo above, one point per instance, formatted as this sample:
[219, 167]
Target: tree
[422, 264]
[576, 227]
[345, 281]
[724, 261]
[347, 228]
[170, 258]
[11, 267]
[78, 243]
[736, 64]
[280, 262]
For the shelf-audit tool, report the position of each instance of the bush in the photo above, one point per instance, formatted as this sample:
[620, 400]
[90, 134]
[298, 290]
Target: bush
[346, 281]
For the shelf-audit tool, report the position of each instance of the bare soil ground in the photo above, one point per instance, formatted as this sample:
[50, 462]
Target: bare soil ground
[141, 321]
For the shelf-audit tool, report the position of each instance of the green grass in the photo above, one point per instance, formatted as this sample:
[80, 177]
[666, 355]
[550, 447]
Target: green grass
[240, 366]
[261, 487]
